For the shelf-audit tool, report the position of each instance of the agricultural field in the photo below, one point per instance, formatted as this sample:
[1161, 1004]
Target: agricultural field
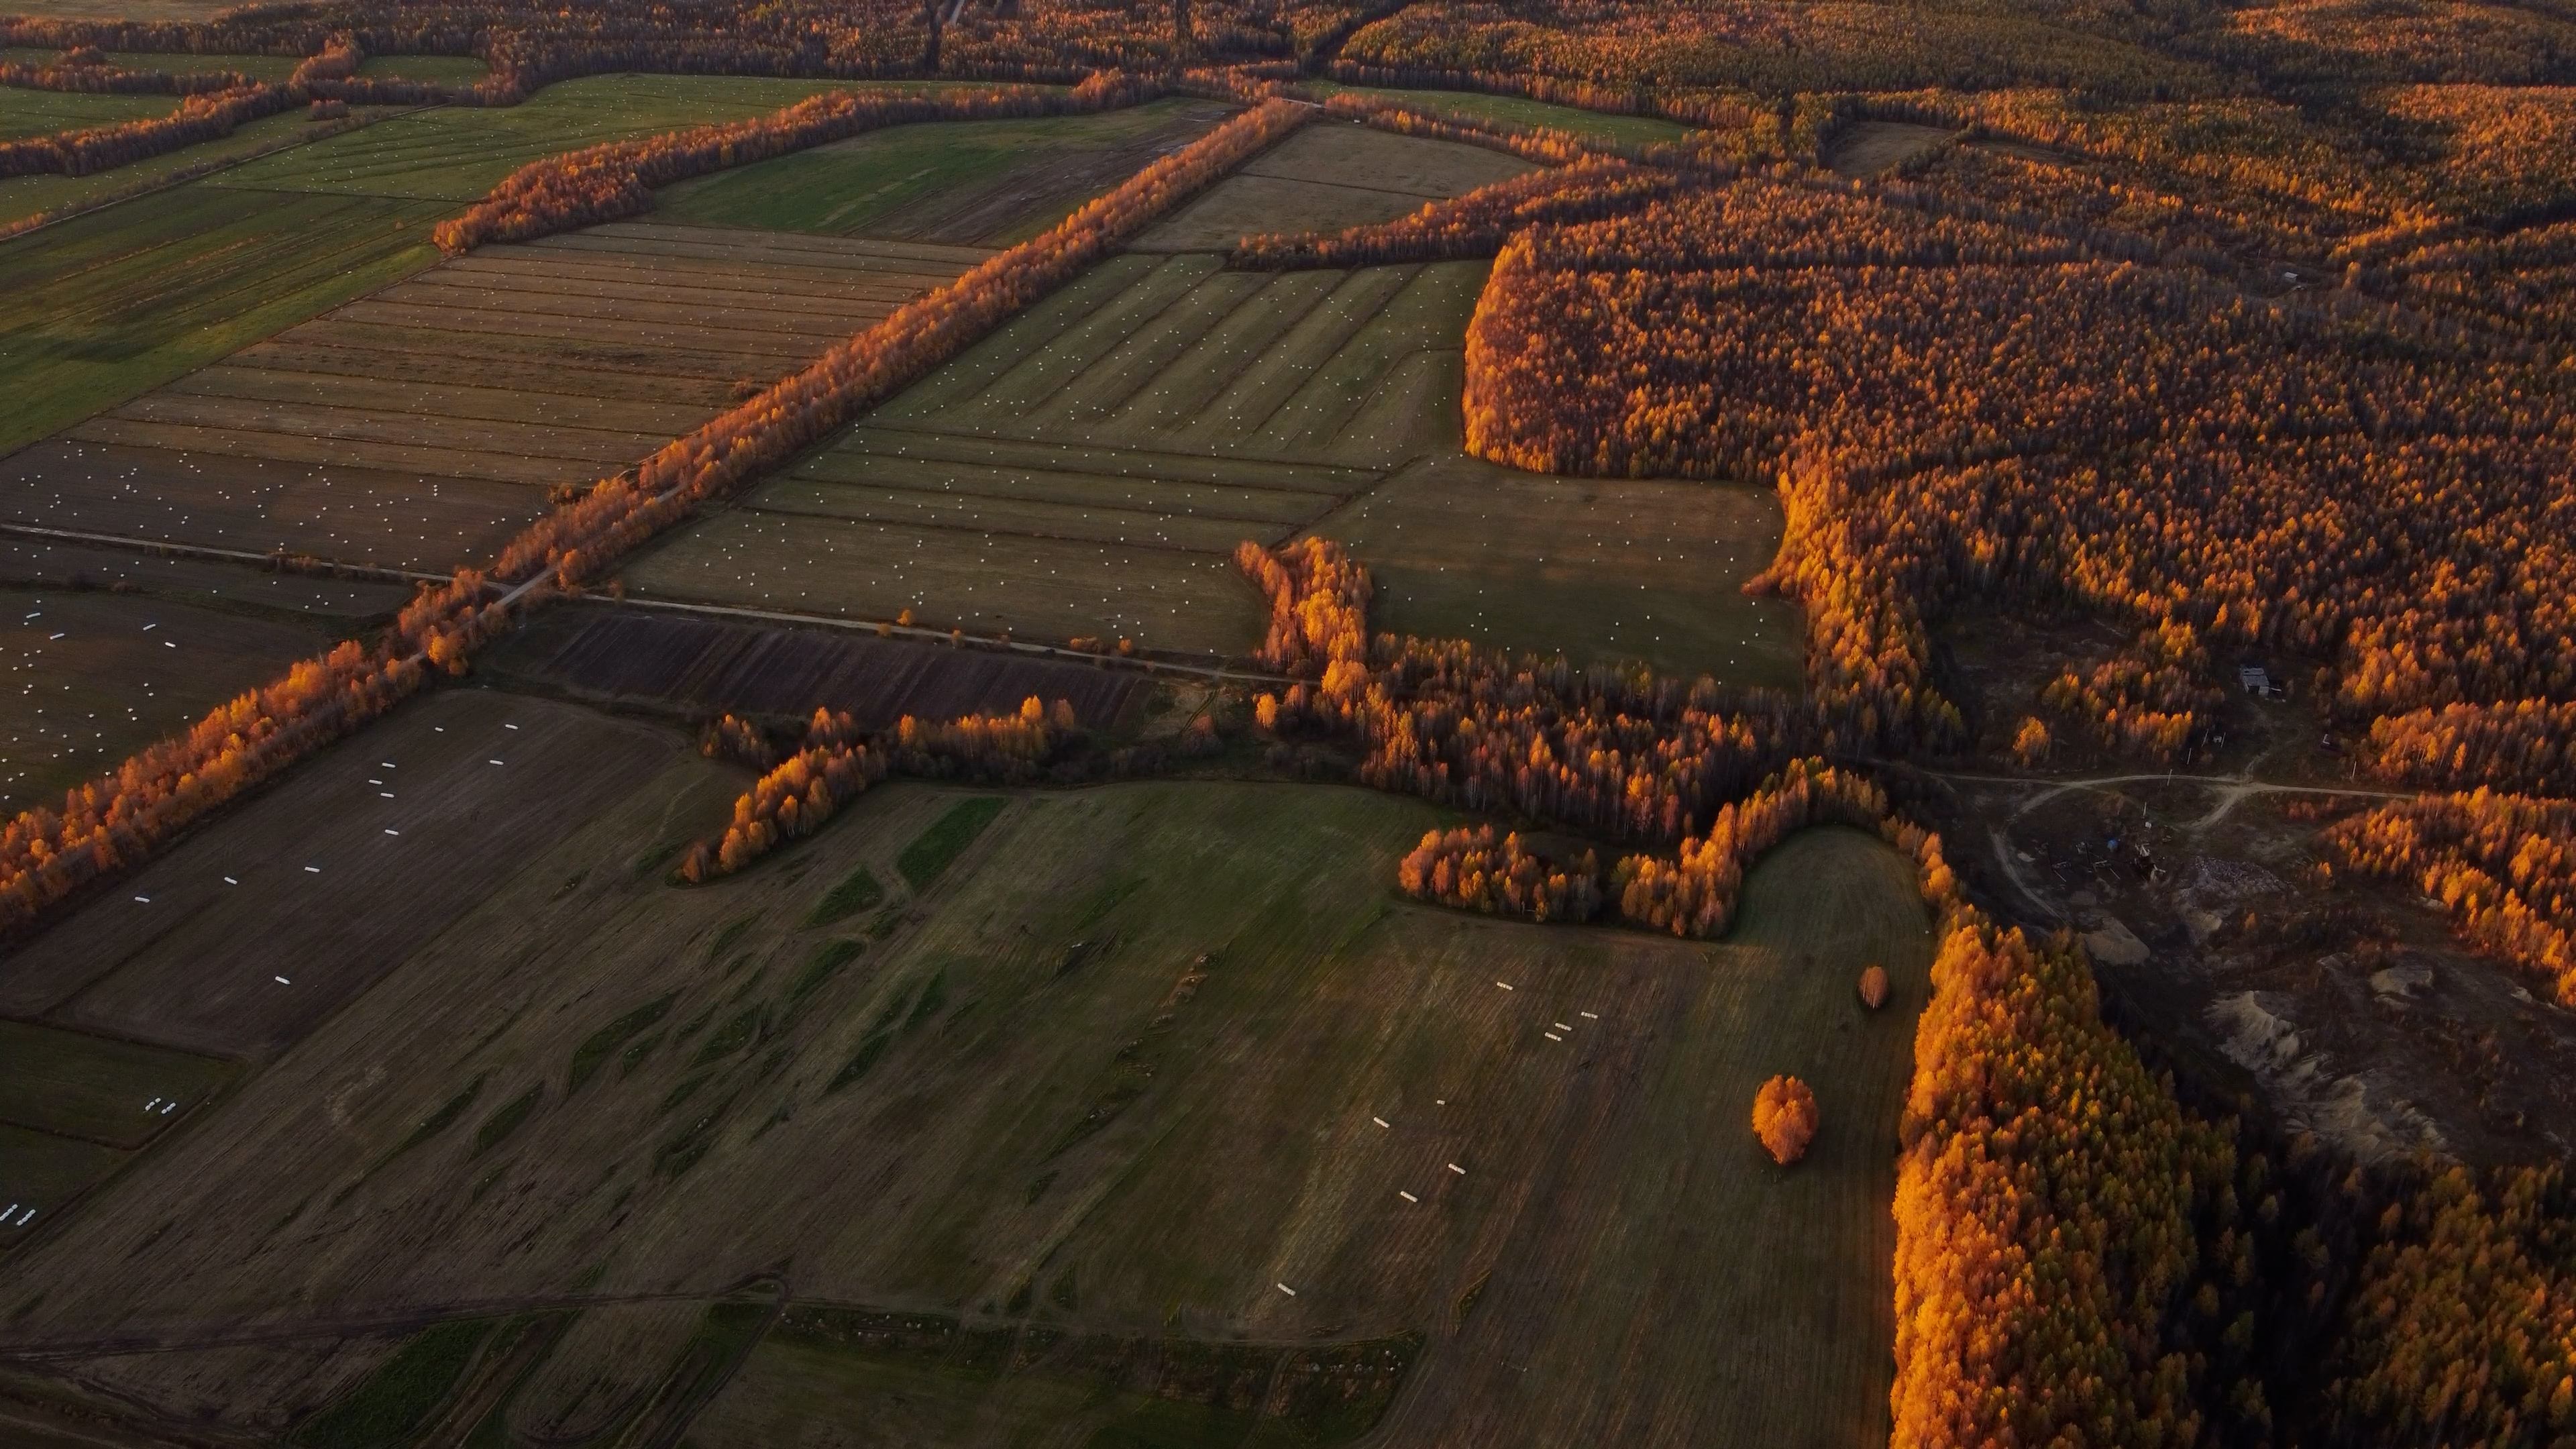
[1098, 1070]
[26, 112]
[419, 426]
[1327, 177]
[136, 294]
[1087, 472]
[457, 153]
[989, 183]
[88, 678]
[704, 665]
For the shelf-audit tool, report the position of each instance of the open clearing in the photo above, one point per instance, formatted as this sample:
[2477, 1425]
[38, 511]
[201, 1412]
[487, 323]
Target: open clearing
[418, 426]
[1113, 1075]
[1866, 148]
[1600, 568]
[1326, 177]
[705, 666]
[26, 112]
[983, 182]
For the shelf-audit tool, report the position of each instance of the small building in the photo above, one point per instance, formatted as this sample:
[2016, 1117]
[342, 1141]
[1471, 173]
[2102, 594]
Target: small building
[2259, 682]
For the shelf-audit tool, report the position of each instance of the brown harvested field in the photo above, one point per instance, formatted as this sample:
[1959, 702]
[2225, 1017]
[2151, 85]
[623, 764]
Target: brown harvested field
[1089, 470]
[1326, 177]
[416, 426]
[332, 878]
[1117, 1071]
[707, 665]
[88, 677]
[1866, 148]
[1600, 568]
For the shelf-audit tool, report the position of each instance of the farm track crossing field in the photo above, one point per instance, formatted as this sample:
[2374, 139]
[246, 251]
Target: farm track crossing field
[403, 829]
[87, 678]
[1116, 1071]
[36, 565]
[707, 666]
[988, 182]
[417, 426]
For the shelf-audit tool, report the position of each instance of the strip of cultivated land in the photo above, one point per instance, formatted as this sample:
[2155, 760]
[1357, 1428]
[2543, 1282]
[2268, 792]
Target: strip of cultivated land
[108, 305]
[1087, 472]
[993, 183]
[1104, 1063]
[420, 426]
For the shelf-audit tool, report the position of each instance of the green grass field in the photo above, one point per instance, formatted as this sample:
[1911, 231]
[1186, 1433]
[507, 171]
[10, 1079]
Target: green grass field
[457, 153]
[1637, 130]
[41, 1171]
[448, 69]
[987, 182]
[23, 196]
[25, 113]
[126, 298]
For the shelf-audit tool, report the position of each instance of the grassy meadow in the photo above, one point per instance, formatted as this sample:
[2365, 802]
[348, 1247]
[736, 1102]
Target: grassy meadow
[988, 182]
[1517, 111]
[1079, 1089]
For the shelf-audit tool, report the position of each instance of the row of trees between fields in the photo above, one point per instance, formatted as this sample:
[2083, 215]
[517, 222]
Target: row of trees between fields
[202, 116]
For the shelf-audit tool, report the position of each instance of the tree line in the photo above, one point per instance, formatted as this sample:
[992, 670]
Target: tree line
[202, 116]
[1469, 226]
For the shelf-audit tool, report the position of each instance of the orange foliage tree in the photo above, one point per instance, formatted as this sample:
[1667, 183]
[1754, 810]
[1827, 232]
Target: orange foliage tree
[1784, 1118]
[1470, 869]
[2504, 865]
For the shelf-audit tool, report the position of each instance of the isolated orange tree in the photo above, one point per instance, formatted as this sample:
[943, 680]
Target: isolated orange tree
[1784, 1117]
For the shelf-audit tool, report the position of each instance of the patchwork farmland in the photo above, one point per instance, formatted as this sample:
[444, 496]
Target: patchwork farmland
[422, 425]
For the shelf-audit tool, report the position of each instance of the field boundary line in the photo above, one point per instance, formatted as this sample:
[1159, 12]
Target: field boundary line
[1148, 664]
[334, 567]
